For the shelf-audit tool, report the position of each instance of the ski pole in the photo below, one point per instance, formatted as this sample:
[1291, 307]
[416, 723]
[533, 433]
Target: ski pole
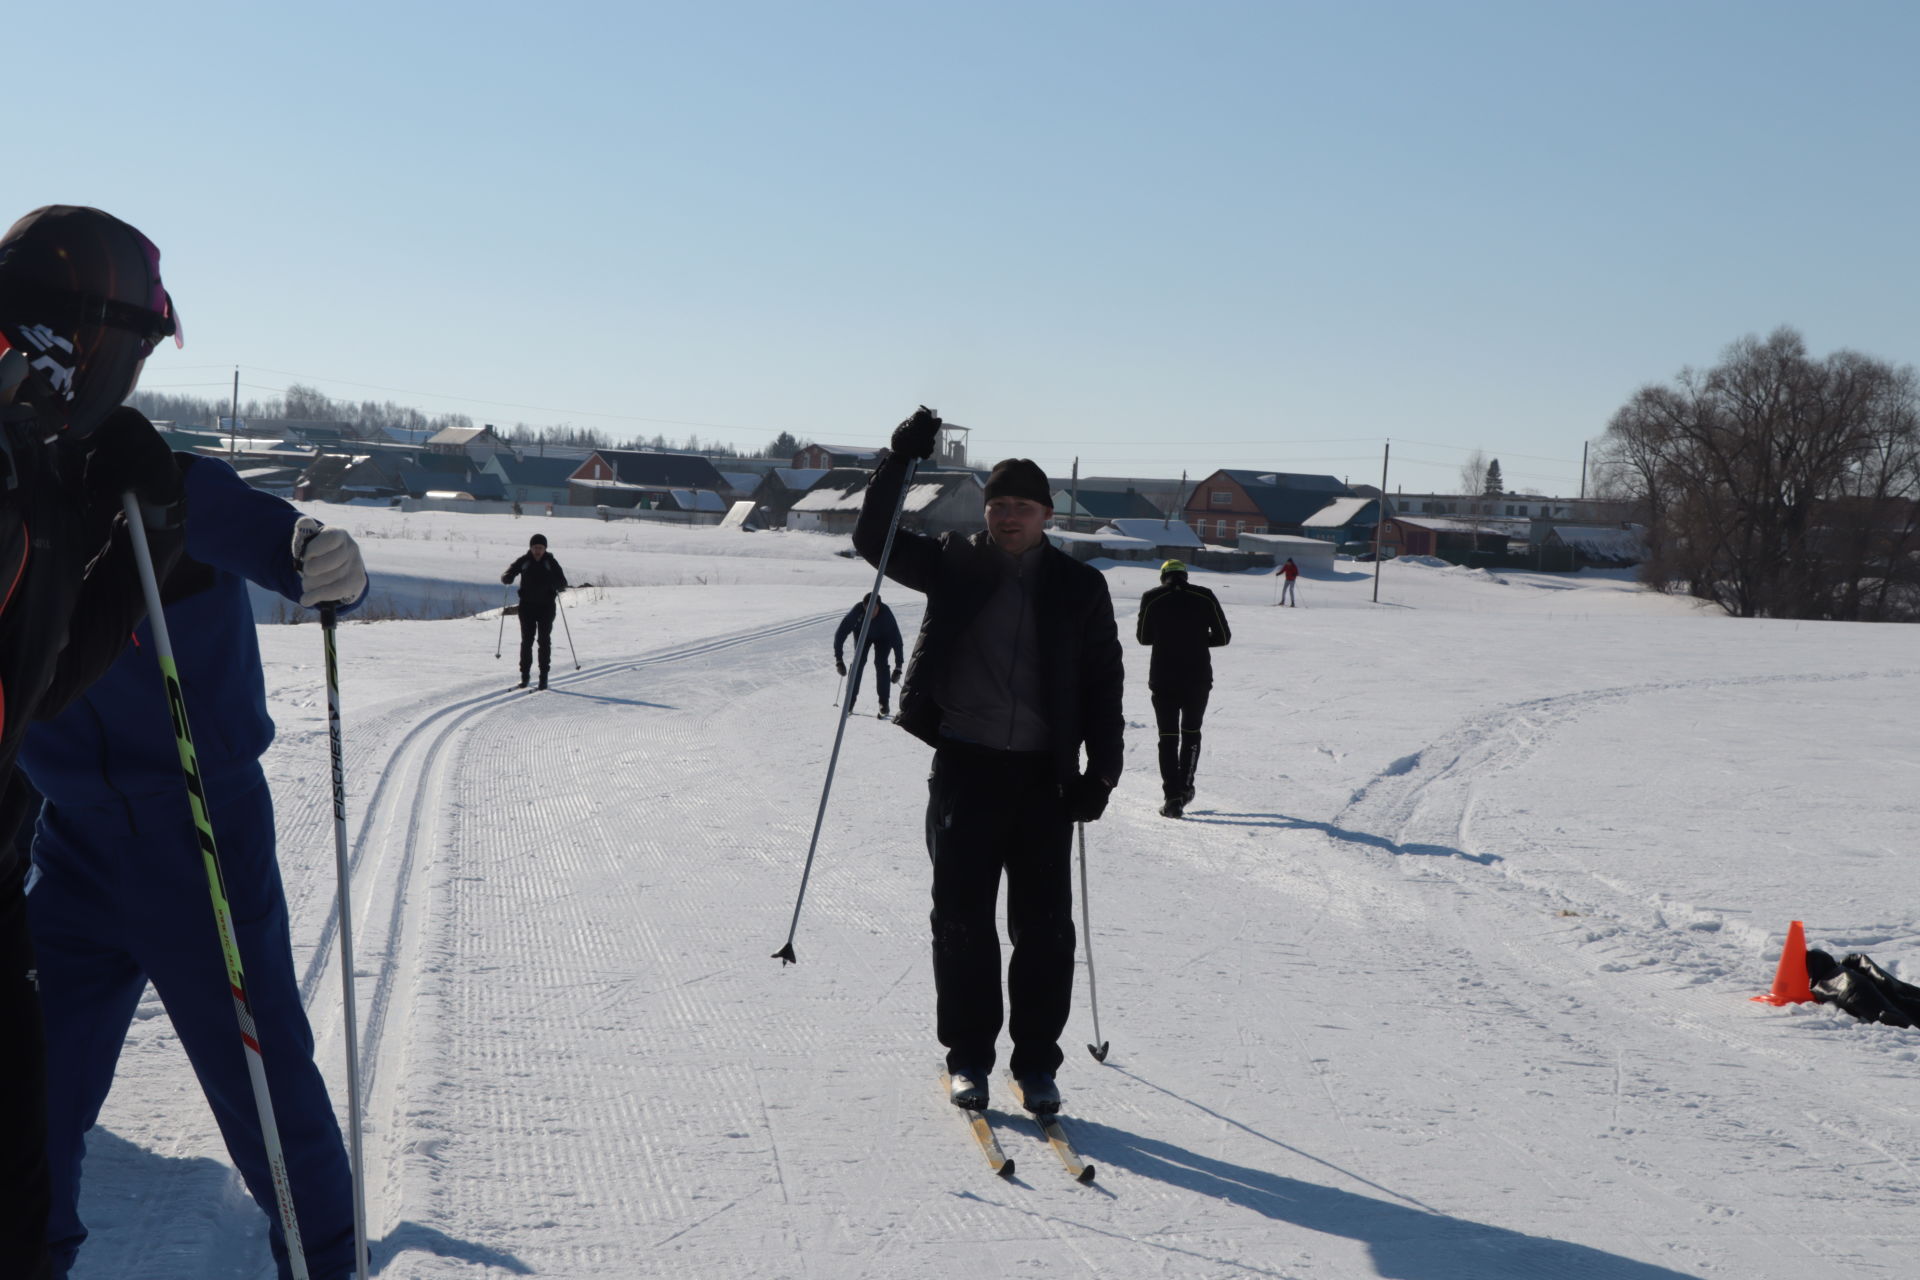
[1086, 924]
[216, 885]
[328, 617]
[569, 629]
[785, 954]
[500, 639]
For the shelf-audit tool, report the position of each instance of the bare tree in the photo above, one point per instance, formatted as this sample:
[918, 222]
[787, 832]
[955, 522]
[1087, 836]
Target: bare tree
[1473, 472]
[1774, 483]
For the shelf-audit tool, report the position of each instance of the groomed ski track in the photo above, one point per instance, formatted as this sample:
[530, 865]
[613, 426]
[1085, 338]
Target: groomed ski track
[1342, 1039]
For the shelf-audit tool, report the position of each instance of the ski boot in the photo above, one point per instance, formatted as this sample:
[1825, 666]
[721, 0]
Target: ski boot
[1039, 1094]
[1174, 807]
[967, 1089]
[543, 679]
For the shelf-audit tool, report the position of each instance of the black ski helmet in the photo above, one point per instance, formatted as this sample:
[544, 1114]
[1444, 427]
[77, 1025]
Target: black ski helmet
[81, 305]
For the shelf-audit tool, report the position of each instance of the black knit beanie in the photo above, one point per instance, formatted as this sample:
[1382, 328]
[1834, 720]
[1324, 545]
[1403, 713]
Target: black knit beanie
[537, 540]
[1019, 478]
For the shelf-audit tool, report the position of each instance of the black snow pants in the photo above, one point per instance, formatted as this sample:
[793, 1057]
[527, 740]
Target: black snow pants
[990, 812]
[536, 619]
[1178, 711]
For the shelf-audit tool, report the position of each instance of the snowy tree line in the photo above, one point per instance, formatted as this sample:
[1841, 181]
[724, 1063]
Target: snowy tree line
[1777, 484]
[370, 417]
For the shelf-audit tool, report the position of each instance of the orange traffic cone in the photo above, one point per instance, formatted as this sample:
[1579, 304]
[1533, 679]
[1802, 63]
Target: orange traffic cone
[1790, 984]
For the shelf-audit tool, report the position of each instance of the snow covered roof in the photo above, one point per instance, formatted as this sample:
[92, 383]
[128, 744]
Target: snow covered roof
[698, 500]
[1446, 524]
[1169, 533]
[1602, 541]
[799, 477]
[741, 480]
[1339, 512]
[829, 500]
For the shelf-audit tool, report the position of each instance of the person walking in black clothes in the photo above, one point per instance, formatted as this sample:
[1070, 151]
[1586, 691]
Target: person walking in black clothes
[81, 308]
[883, 636]
[541, 582]
[1017, 666]
[1181, 622]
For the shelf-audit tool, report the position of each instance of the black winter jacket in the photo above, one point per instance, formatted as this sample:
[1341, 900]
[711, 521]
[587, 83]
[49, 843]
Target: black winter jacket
[1182, 622]
[1079, 653]
[69, 598]
[540, 580]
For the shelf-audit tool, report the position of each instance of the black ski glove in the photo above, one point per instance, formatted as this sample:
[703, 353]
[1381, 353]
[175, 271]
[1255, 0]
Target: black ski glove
[897, 673]
[1086, 798]
[126, 454]
[839, 667]
[916, 437]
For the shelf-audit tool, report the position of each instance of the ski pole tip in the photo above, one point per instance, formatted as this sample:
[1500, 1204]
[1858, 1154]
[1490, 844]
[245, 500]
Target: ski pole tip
[785, 955]
[1099, 1054]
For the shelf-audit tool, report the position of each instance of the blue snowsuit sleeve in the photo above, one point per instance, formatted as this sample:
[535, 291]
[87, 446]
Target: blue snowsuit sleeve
[849, 626]
[233, 526]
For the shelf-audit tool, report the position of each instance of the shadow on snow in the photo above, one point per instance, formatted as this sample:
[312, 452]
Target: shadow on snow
[1215, 818]
[226, 1224]
[1405, 1241]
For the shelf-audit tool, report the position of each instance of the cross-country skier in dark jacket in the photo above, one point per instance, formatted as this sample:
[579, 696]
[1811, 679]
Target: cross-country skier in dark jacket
[541, 582]
[81, 308]
[883, 637]
[120, 892]
[1183, 623]
[1017, 667]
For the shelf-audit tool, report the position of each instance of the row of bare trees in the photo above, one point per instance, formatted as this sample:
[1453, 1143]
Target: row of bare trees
[1776, 484]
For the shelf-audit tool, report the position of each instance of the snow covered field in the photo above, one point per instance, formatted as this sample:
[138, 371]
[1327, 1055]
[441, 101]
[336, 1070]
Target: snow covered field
[1445, 977]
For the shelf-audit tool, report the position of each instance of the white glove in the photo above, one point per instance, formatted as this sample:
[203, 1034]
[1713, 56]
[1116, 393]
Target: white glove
[331, 571]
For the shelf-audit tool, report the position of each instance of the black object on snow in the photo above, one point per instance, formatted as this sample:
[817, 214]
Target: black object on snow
[1862, 988]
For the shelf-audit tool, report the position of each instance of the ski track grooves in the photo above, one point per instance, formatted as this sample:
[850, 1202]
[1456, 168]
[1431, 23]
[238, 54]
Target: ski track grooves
[407, 825]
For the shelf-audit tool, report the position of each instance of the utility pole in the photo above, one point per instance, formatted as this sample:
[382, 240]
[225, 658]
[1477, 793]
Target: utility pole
[1583, 469]
[1380, 524]
[1073, 516]
[1176, 498]
[233, 419]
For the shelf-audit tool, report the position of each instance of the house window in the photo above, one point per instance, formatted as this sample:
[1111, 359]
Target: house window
[1220, 530]
[1239, 527]
[1222, 498]
[1259, 528]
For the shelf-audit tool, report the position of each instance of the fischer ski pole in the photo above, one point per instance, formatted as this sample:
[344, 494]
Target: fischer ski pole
[328, 618]
[1086, 919]
[216, 885]
[785, 954]
[569, 629]
[500, 640]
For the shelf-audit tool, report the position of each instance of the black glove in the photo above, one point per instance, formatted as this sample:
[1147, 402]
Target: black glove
[126, 454]
[897, 673]
[916, 437]
[1086, 798]
[506, 579]
[839, 667]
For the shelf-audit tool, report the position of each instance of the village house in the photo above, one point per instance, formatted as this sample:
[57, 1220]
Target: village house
[628, 478]
[1229, 503]
[532, 479]
[938, 501]
[477, 443]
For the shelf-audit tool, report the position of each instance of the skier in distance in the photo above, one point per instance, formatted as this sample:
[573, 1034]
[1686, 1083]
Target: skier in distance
[883, 636]
[541, 582]
[1182, 623]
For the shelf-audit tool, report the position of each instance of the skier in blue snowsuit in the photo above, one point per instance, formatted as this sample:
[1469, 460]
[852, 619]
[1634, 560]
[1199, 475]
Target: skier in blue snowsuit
[119, 895]
[883, 637]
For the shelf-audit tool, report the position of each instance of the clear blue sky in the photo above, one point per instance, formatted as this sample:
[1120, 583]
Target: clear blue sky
[1154, 236]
